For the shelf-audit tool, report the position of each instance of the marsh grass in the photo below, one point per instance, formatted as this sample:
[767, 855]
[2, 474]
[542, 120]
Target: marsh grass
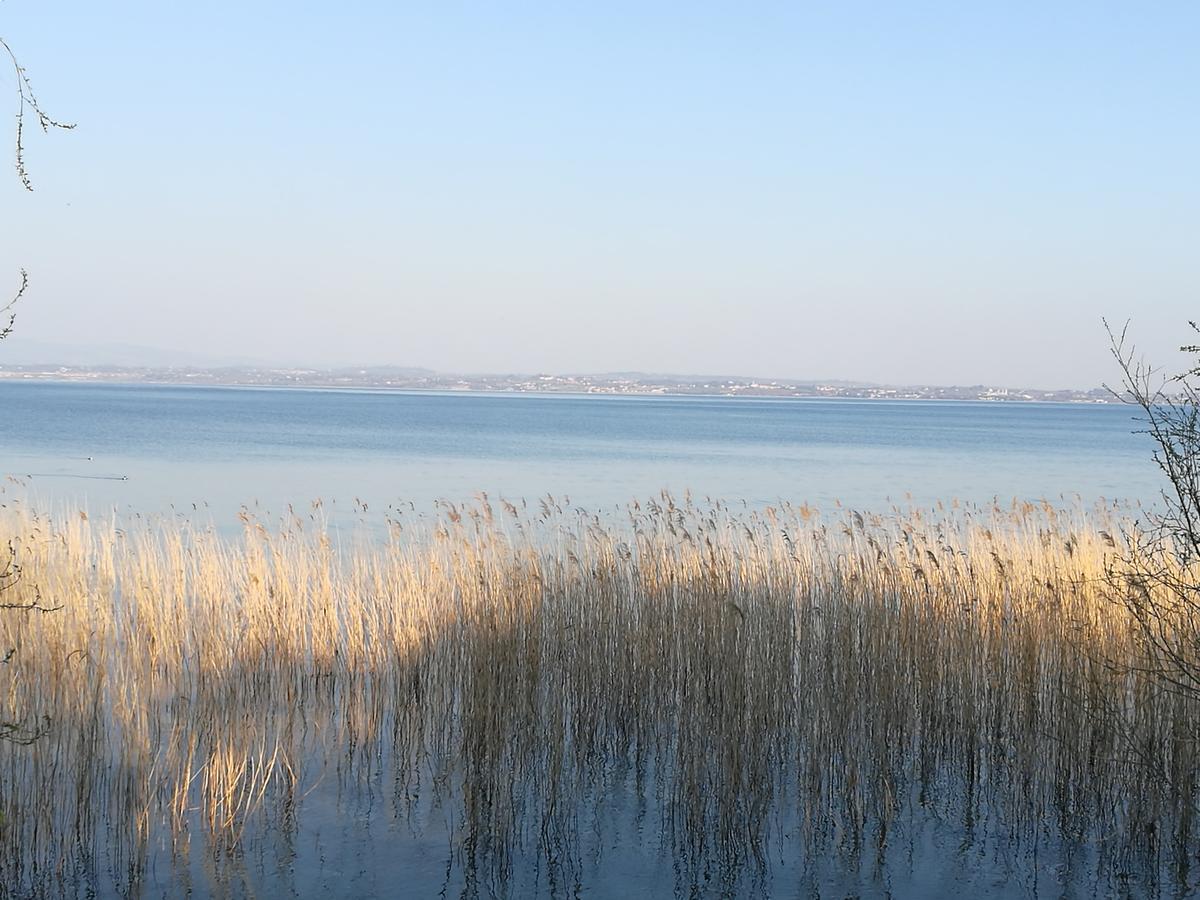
[757, 679]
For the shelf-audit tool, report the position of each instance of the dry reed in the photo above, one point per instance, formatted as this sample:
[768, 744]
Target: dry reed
[729, 664]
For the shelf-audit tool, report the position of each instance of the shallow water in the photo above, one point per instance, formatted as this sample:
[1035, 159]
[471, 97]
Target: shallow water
[362, 823]
[359, 836]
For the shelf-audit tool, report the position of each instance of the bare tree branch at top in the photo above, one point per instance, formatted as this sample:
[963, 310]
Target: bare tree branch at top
[27, 102]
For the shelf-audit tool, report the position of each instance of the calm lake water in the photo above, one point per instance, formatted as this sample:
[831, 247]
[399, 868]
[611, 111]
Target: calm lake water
[146, 449]
[358, 829]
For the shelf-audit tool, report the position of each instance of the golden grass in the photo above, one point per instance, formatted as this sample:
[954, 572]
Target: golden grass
[843, 667]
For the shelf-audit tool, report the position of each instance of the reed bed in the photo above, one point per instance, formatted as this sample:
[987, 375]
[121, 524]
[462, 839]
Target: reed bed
[759, 679]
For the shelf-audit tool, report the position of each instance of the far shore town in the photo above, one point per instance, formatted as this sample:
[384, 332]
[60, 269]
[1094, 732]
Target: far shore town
[384, 378]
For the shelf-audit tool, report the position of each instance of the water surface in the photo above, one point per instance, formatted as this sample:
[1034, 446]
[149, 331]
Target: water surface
[151, 448]
[377, 818]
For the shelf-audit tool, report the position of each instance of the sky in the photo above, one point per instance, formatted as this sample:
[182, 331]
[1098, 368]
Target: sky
[935, 193]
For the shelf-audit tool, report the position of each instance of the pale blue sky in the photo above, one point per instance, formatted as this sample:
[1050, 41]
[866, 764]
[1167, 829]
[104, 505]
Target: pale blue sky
[945, 193]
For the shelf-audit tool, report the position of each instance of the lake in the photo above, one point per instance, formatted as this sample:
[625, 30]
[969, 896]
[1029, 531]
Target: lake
[151, 448]
[706, 700]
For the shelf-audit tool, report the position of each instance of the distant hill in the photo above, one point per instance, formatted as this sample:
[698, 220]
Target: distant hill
[21, 351]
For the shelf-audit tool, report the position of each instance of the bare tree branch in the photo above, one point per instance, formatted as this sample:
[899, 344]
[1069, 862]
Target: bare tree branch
[8, 313]
[1157, 577]
[27, 102]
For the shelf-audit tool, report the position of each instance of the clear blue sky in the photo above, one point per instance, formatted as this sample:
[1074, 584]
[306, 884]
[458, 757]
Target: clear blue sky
[945, 193]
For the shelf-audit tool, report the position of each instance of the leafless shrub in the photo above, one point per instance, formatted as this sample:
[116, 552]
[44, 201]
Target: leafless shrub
[1157, 577]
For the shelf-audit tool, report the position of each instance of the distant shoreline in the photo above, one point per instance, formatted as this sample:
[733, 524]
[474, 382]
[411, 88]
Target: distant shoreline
[632, 385]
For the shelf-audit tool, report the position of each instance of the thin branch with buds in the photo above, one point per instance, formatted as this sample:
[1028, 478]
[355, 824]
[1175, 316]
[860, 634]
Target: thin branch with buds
[27, 102]
[8, 313]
